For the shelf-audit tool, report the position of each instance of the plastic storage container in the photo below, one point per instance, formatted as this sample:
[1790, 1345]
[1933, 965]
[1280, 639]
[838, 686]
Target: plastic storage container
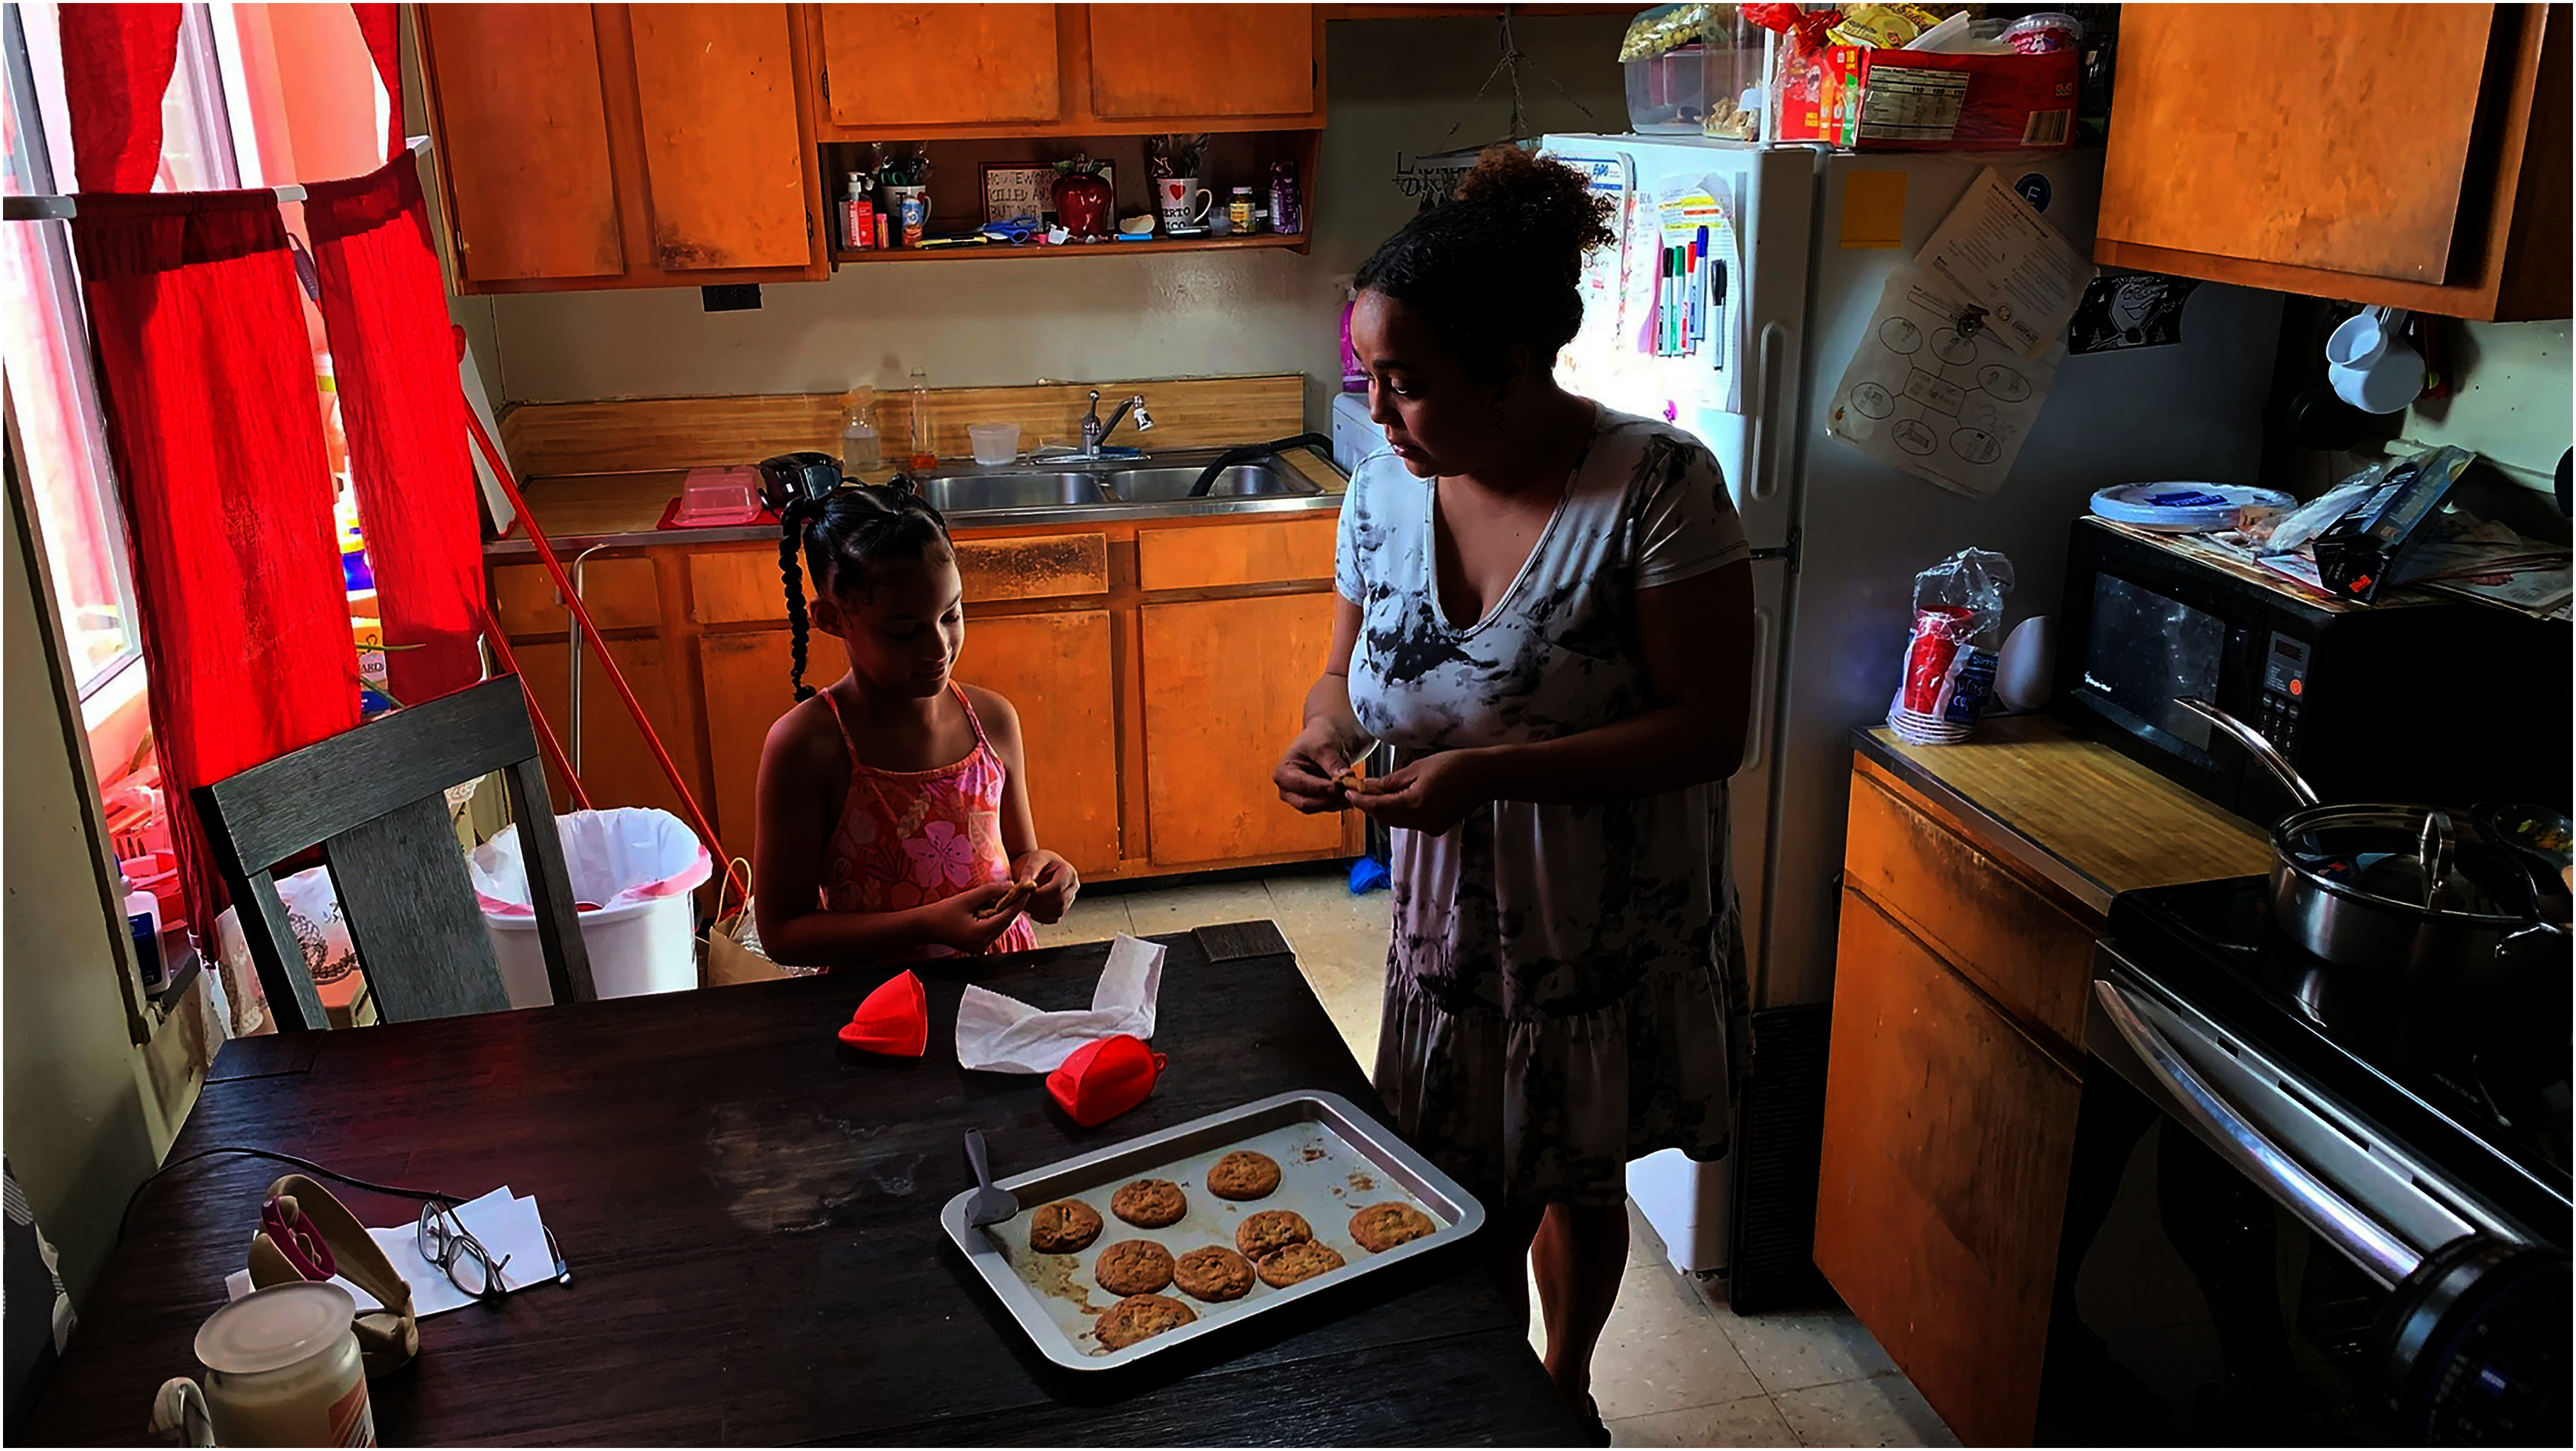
[994, 443]
[1700, 90]
[719, 496]
[632, 871]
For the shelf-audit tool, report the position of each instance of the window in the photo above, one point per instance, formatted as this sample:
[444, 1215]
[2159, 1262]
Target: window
[44, 346]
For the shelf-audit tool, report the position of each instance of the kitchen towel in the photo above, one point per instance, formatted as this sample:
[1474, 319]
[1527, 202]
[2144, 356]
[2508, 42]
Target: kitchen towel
[1004, 1035]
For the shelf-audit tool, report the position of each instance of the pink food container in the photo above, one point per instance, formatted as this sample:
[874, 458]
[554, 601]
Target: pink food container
[716, 497]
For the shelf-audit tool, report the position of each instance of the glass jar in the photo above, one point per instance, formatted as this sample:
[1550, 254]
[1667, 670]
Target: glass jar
[1238, 210]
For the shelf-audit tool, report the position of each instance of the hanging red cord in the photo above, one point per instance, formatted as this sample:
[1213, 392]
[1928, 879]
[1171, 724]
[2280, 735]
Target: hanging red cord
[599, 647]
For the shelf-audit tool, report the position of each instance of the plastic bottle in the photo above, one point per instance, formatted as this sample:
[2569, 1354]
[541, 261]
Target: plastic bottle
[858, 216]
[1238, 210]
[143, 920]
[924, 454]
[861, 449]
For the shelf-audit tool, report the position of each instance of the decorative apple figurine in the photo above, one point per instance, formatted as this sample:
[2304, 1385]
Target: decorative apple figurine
[1084, 199]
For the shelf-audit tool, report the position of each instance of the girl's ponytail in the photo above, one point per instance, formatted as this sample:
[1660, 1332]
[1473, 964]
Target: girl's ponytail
[798, 513]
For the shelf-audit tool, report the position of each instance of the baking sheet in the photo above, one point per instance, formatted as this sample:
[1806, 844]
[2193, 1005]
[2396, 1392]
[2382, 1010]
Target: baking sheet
[1333, 1160]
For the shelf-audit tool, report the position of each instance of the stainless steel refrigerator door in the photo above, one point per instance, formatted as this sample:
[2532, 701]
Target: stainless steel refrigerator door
[2189, 411]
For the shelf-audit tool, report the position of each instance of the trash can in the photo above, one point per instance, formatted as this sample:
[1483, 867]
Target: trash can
[632, 871]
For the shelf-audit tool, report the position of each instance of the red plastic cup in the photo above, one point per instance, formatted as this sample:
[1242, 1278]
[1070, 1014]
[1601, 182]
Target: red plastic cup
[1939, 632]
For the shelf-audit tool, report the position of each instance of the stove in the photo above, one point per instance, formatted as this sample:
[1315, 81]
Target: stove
[2476, 1086]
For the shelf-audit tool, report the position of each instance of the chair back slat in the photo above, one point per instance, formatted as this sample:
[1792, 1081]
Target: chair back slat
[407, 899]
[374, 800]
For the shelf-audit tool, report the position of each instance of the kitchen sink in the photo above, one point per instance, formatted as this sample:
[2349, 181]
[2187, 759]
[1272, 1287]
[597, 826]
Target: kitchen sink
[974, 493]
[1266, 479]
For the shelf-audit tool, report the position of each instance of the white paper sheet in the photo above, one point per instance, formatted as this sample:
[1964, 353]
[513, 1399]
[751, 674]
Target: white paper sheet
[1004, 1035]
[1942, 404]
[505, 1225]
[1995, 251]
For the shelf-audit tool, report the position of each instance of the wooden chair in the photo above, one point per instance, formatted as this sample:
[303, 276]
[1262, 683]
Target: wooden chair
[374, 800]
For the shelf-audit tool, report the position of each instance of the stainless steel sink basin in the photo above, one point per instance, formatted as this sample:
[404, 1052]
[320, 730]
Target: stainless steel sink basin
[1243, 481]
[975, 493]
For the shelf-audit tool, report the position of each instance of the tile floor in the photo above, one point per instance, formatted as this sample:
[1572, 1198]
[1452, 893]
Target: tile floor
[1676, 1367]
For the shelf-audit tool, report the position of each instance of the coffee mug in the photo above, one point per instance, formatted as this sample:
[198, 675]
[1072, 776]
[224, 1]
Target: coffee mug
[1173, 196]
[907, 211]
[282, 1369]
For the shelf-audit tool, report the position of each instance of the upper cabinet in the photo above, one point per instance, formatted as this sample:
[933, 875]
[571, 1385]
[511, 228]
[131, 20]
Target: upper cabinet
[1151, 62]
[2417, 156]
[623, 146]
[950, 72]
[897, 66]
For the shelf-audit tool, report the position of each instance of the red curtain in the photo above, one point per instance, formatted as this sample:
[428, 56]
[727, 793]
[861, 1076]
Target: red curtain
[216, 431]
[405, 415]
[384, 41]
[116, 64]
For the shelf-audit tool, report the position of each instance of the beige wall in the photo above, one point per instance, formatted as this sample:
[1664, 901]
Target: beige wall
[1396, 87]
[2514, 398]
[88, 1114]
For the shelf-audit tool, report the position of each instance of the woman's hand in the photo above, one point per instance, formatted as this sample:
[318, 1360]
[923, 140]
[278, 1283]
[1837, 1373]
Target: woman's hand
[954, 921]
[1430, 796]
[1306, 775]
[1054, 879]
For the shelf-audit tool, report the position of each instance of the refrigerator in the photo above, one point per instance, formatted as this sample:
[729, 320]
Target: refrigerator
[1837, 535]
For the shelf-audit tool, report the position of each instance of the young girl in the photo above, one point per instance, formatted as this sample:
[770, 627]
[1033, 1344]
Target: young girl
[894, 811]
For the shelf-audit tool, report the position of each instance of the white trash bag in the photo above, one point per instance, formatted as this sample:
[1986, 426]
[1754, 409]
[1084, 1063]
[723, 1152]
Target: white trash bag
[632, 871]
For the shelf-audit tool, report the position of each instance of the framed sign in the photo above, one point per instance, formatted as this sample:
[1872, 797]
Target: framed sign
[1027, 189]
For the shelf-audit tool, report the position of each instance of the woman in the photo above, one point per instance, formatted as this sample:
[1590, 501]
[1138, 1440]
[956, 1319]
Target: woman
[1546, 608]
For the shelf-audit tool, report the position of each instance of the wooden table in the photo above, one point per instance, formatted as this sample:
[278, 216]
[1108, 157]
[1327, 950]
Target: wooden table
[749, 1211]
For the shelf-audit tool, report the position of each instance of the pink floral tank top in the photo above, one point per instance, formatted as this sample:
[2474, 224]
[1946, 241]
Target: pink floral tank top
[906, 838]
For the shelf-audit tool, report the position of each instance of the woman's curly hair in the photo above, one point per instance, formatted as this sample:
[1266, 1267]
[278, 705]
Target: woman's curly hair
[1501, 264]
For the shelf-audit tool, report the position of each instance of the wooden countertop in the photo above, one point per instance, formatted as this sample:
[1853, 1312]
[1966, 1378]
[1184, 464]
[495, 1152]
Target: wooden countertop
[2077, 812]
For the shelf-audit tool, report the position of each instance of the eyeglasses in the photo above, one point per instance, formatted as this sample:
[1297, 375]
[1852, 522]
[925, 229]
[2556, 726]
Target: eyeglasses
[445, 1242]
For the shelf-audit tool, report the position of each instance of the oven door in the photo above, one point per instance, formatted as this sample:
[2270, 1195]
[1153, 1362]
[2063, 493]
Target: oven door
[2230, 1241]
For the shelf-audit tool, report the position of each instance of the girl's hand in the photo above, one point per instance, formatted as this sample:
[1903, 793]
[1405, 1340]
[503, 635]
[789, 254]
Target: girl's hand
[1306, 775]
[1054, 878]
[1431, 796]
[954, 921]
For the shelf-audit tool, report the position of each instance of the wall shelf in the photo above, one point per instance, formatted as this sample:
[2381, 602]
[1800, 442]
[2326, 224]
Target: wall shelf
[1160, 247]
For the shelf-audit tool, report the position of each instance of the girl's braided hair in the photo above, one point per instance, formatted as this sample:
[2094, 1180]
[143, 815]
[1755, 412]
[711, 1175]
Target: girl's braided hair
[844, 534]
[1501, 264]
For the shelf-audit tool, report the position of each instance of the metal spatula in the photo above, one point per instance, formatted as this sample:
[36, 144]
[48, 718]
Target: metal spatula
[990, 1205]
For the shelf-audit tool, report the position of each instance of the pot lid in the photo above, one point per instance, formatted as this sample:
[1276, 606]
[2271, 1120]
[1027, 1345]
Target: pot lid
[2377, 852]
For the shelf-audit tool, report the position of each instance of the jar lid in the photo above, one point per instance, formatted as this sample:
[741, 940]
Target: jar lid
[1242, 191]
[274, 1328]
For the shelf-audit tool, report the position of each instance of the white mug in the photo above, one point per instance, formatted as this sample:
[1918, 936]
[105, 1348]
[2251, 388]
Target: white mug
[2386, 384]
[282, 1369]
[1173, 197]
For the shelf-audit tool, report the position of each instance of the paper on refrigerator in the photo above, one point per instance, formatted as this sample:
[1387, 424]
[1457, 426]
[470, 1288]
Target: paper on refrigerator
[1963, 345]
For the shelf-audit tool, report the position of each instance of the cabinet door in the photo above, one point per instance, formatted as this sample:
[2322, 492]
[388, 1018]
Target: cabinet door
[725, 168]
[939, 65]
[617, 767]
[1947, 1139]
[522, 140]
[2254, 133]
[1054, 669]
[1224, 683]
[744, 676]
[1178, 61]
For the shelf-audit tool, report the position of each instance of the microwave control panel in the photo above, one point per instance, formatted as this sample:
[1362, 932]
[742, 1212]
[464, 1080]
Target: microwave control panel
[2285, 688]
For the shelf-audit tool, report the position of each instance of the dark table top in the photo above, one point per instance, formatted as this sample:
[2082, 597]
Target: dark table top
[750, 1213]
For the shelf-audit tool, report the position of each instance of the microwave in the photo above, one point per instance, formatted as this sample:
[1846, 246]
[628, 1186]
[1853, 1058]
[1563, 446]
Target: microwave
[2451, 703]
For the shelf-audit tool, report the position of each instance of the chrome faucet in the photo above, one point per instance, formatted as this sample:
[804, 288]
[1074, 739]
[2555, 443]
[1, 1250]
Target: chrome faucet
[1093, 430]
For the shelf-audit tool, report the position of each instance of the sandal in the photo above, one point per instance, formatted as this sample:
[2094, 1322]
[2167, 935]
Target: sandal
[306, 1233]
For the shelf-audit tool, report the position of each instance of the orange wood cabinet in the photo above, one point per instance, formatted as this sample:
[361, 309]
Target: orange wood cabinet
[1149, 719]
[947, 72]
[585, 146]
[1950, 1106]
[2418, 157]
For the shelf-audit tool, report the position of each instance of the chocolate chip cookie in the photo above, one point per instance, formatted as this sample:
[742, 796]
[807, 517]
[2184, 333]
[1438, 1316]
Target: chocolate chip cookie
[1303, 1260]
[1243, 1174]
[1139, 1316]
[1269, 1230]
[1133, 1267]
[1065, 1227]
[1381, 1227]
[1150, 1203]
[1213, 1273]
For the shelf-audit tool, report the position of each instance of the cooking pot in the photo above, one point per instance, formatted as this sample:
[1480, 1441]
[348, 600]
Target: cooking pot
[2402, 891]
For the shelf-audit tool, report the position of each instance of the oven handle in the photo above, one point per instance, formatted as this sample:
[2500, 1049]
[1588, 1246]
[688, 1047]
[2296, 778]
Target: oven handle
[2381, 1254]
